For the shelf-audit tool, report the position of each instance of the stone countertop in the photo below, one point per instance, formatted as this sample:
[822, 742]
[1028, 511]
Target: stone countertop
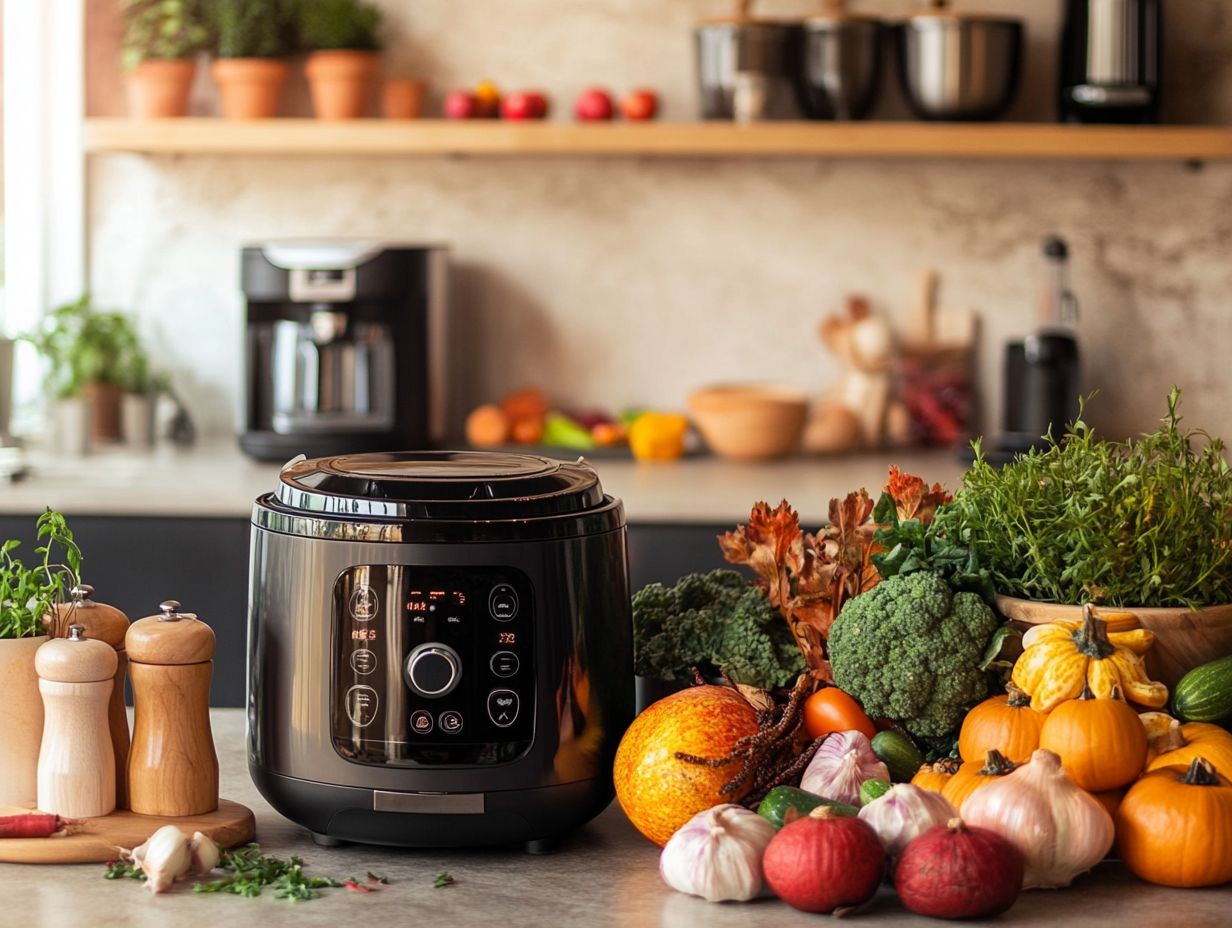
[605, 875]
[216, 480]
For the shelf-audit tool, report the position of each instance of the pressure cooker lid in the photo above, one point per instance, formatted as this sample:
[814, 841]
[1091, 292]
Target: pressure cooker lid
[440, 485]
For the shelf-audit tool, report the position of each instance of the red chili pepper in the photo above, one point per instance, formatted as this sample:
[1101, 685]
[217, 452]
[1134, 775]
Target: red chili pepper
[357, 887]
[29, 825]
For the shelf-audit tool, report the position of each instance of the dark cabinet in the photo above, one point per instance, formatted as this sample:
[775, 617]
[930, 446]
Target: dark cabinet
[136, 562]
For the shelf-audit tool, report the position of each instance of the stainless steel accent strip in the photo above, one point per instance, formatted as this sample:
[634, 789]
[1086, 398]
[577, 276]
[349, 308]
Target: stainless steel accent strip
[428, 803]
[442, 394]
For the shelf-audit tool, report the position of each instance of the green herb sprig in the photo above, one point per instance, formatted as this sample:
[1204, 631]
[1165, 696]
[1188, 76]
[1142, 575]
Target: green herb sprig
[250, 872]
[28, 594]
[1145, 522]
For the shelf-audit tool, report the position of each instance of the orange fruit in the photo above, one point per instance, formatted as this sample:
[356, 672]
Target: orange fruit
[660, 792]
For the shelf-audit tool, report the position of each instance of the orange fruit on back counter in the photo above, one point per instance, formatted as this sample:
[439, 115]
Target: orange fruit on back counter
[660, 792]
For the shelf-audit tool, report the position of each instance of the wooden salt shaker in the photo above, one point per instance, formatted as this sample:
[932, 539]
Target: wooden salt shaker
[76, 768]
[172, 767]
[104, 623]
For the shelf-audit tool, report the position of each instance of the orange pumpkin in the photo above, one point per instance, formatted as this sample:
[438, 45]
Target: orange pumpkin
[1180, 744]
[1110, 799]
[973, 775]
[1101, 743]
[935, 776]
[1002, 723]
[658, 791]
[1175, 826]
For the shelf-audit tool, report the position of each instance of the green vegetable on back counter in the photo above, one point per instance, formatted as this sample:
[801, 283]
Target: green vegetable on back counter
[715, 622]
[1143, 522]
[27, 594]
[912, 650]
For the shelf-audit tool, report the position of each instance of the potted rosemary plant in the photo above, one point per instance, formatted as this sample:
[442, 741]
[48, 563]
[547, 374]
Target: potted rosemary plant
[251, 44]
[27, 595]
[161, 40]
[342, 38]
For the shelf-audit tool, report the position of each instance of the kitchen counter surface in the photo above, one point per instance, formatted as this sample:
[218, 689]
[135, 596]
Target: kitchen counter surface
[605, 875]
[216, 480]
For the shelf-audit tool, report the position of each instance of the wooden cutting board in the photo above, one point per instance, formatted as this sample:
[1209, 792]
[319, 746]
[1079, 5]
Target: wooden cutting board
[96, 840]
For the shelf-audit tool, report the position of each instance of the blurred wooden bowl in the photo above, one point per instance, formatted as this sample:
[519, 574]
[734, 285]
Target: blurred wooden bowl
[750, 422]
[1184, 638]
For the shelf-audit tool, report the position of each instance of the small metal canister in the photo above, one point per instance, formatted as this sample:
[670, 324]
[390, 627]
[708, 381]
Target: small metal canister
[746, 66]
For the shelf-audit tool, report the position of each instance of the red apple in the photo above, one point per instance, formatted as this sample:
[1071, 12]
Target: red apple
[594, 105]
[525, 104]
[640, 105]
[461, 104]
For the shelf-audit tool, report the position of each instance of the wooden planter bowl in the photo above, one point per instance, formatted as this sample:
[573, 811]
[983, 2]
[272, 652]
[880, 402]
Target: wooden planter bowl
[750, 422]
[1184, 638]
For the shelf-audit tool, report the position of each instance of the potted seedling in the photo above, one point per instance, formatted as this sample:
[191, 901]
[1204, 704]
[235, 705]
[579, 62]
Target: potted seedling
[161, 38]
[251, 43]
[342, 39]
[27, 596]
[142, 388]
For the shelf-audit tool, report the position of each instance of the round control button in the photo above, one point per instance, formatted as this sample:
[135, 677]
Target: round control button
[451, 722]
[421, 722]
[503, 602]
[504, 663]
[361, 705]
[503, 707]
[433, 669]
[364, 604]
[363, 661]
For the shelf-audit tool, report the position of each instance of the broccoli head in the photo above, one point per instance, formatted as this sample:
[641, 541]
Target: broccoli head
[910, 650]
[716, 621]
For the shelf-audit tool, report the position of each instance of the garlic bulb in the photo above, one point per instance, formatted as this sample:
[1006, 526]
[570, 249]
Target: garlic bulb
[841, 764]
[717, 854]
[1061, 830]
[203, 854]
[169, 854]
[904, 813]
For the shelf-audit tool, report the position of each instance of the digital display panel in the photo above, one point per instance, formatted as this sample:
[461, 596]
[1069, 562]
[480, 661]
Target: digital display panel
[423, 602]
[363, 634]
[507, 637]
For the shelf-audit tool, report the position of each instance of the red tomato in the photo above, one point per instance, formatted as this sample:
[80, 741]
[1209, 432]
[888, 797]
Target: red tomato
[830, 710]
[594, 105]
[640, 105]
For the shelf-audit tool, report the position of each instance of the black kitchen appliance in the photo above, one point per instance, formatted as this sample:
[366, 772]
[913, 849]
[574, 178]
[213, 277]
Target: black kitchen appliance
[439, 647]
[345, 348]
[1042, 372]
[1110, 61]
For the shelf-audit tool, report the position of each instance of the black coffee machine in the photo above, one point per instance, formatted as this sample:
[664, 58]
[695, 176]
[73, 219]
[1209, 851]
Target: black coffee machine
[345, 348]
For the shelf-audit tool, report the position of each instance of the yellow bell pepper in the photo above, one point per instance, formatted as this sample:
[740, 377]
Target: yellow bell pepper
[658, 436]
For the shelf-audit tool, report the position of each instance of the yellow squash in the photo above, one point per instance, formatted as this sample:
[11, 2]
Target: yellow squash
[1062, 657]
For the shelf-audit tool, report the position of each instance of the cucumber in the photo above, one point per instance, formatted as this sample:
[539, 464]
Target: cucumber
[783, 800]
[898, 753]
[1205, 693]
[873, 789]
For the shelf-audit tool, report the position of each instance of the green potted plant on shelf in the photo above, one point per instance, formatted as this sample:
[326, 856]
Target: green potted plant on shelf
[342, 38]
[251, 41]
[142, 387]
[161, 39]
[90, 354]
[27, 595]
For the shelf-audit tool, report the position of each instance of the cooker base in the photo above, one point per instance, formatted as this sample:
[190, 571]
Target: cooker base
[535, 818]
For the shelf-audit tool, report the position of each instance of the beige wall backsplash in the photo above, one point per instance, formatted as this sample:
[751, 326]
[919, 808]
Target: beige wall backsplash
[632, 281]
[622, 282]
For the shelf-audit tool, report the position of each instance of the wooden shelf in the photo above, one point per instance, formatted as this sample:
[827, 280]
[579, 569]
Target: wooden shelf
[429, 137]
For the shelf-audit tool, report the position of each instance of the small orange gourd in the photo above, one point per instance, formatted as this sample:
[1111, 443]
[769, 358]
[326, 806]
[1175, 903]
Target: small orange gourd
[973, 775]
[1180, 744]
[1004, 723]
[935, 776]
[1174, 826]
[1101, 743]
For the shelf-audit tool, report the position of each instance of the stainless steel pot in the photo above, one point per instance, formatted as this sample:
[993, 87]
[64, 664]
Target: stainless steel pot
[746, 67]
[959, 66]
[840, 63]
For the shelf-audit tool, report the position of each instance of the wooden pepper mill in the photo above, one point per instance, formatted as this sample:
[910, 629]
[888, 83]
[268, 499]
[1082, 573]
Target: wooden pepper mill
[172, 767]
[76, 767]
[103, 623]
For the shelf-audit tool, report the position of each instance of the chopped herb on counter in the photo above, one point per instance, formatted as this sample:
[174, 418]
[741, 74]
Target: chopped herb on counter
[251, 872]
[442, 880]
[373, 878]
[123, 870]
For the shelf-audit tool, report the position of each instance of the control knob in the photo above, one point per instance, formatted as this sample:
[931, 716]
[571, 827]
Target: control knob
[433, 669]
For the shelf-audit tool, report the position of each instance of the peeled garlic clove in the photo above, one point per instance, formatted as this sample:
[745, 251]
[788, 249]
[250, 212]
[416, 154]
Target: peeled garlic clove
[163, 858]
[717, 854]
[203, 853]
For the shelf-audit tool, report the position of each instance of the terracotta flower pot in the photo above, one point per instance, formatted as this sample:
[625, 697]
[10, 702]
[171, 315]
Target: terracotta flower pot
[402, 98]
[1184, 638]
[250, 88]
[21, 721]
[340, 82]
[159, 89]
[104, 400]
